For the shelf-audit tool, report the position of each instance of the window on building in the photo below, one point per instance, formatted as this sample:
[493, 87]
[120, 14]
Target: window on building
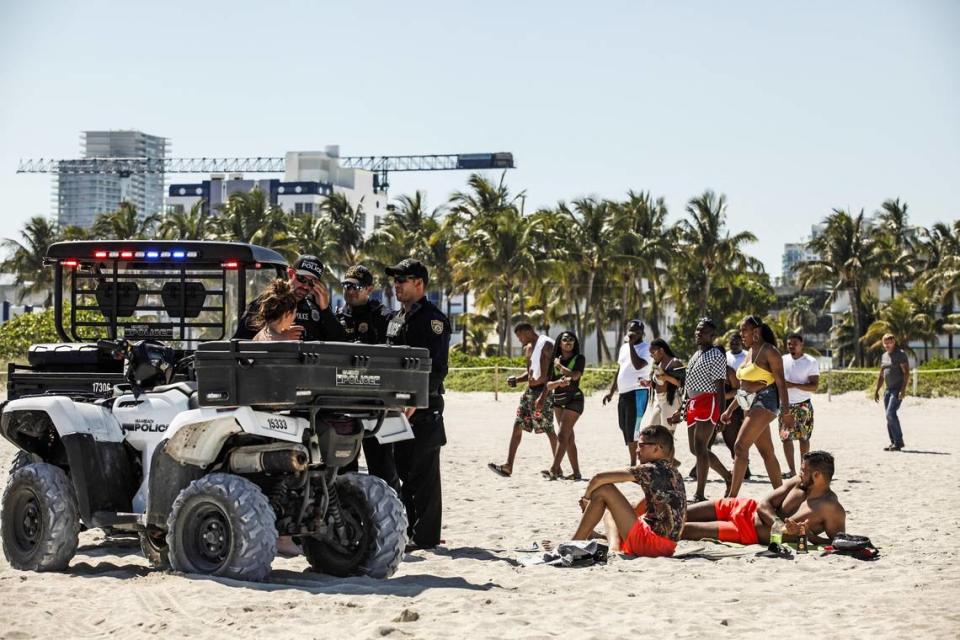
[303, 207]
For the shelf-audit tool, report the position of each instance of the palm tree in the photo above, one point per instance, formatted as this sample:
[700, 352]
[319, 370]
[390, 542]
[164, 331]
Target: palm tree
[125, 223]
[591, 223]
[846, 262]
[26, 258]
[242, 215]
[474, 219]
[195, 224]
[710, 252]
[896, 243]
[800, 312]
[901, 318]
[343, 226]
[649, 240]
[941, 267]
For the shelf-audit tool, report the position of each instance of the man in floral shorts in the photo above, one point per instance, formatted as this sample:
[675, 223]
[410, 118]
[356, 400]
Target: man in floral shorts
[538, 351]
[801, 372]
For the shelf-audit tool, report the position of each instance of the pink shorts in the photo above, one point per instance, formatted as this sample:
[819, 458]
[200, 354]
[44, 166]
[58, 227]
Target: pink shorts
[644, 543]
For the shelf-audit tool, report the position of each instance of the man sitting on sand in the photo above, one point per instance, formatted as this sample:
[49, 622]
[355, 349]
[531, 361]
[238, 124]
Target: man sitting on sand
[653, 527]
[805, 500]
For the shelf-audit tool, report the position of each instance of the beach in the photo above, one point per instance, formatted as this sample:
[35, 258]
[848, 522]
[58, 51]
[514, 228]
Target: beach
[908, 503]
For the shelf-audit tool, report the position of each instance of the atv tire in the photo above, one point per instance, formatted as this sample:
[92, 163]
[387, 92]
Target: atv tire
[153, 543]
[222, 525]
[40, 519]
[376, 522]
[22, 459]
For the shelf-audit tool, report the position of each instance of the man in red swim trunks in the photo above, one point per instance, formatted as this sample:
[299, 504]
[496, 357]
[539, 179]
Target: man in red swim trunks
[806, 499]
[654, 527]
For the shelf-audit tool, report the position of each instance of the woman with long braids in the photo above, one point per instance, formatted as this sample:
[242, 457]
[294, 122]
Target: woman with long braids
[762, 392]
[568, 403]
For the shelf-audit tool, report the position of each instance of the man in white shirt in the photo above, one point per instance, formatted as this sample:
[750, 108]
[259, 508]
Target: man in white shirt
[633, 383]
[802, 375]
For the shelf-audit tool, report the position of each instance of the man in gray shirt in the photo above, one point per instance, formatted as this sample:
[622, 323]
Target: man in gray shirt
[894, 371]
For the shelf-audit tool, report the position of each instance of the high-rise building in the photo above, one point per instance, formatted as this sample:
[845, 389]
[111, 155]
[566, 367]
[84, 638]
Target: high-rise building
[83, 196]
[795, 253]
[309, 178]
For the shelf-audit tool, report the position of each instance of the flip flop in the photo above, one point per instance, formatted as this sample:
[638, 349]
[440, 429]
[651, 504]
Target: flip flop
[548, 474]
[576, 477]
[498, 469]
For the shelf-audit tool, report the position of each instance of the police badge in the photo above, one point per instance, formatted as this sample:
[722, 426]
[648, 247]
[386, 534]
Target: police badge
[315, 315]
[362, 327]
[437, 326]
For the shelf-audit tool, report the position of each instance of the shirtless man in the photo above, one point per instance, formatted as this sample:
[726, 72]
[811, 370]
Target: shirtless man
[806, 499]
[535, 412]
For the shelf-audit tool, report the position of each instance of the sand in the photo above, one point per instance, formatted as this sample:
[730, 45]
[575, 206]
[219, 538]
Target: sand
[908, 503]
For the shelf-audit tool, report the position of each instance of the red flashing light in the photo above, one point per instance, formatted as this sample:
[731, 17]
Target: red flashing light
[126, 255]
[257, 266]
[100, 254]
[231, 264]
[70, 263]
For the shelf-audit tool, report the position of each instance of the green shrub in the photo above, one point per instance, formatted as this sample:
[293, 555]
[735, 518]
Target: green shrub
[930, 383]
[941, 363]
[18, 334]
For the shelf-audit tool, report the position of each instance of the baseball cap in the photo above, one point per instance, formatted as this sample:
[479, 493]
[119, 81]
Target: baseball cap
[307, 265]
[358, 274]
[409, 267]
[635, 325]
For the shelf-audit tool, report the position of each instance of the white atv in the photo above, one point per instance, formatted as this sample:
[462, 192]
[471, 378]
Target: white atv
[208, 454]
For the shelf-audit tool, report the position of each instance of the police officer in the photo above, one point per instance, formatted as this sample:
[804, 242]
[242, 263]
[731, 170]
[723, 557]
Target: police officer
[419, 323]
[363, 320]
[315, 319]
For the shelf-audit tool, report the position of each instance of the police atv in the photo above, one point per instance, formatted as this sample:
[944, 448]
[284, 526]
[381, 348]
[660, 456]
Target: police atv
[208, 449]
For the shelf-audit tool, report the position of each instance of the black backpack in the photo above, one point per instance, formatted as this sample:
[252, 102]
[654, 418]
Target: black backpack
[859, 547]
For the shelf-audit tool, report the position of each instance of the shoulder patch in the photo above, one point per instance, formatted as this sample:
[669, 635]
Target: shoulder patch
[437, 326]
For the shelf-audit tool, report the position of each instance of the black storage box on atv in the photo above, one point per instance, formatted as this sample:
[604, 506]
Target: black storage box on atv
[335, 375]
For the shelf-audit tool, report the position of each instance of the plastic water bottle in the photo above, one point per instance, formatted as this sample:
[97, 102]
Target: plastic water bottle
[776, 532]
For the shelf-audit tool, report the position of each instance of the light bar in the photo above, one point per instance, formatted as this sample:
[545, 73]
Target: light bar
[99, 254]
[231, 264]
[179, 254]
[72, 262]
[153, 255]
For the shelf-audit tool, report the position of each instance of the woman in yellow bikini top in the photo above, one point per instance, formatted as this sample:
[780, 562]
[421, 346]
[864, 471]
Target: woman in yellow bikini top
[761, 395]
[752, 372]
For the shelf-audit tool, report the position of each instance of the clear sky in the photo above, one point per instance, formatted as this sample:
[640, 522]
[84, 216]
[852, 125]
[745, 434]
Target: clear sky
[790, 109]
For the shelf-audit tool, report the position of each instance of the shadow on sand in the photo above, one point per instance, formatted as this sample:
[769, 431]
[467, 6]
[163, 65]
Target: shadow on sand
[926, 453]
[283, 579]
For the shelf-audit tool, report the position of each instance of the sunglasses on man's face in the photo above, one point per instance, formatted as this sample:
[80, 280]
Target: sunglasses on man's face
[402, 279]
[306, 280]
[349, 286]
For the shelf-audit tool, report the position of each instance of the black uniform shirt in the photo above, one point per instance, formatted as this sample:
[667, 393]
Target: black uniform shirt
[366, 323]
[317, 324]
[424, 326]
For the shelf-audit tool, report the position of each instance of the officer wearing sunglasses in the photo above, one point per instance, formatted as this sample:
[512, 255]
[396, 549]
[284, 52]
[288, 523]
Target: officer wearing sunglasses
[419, 323]
[315, 319]
[363, 320]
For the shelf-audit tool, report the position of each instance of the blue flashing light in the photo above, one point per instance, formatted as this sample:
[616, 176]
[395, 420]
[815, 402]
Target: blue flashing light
[179, 255]
[153, 254]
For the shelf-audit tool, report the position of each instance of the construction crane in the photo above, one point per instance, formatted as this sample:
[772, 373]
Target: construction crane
[381, 165]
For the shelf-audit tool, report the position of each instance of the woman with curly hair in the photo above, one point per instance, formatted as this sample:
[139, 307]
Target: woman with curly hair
[277, 312]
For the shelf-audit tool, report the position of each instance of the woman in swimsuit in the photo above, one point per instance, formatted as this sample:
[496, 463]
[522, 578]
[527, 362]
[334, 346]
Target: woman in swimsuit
[762, 392]
[568, 403]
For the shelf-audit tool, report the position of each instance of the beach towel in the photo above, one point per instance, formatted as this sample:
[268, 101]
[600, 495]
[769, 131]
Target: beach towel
[535, 356]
